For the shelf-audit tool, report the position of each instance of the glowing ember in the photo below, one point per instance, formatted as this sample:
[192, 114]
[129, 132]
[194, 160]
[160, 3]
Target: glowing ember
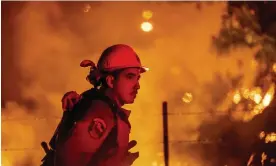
[255, 95]
[187, 98]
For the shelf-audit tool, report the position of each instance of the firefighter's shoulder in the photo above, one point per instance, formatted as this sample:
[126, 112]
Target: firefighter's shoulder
[100, 109]
[100, 118]
[93, 128]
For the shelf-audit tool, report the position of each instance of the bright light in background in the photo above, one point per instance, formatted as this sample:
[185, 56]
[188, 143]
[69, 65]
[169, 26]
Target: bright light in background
[187, 98]
[5, 161]
[147, 14]
[87, 7]
[154, 163]
[274, 67]
[146, 26]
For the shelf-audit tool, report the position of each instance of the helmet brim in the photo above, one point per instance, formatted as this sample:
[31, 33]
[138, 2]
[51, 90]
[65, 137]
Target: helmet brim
[143, 68]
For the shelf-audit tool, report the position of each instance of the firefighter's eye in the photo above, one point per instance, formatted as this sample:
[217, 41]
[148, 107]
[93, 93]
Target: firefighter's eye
[130, 76]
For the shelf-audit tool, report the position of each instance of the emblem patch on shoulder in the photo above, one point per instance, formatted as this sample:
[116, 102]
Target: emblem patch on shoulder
[97, 128]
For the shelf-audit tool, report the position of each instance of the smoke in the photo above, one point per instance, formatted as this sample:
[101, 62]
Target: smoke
[50, 39]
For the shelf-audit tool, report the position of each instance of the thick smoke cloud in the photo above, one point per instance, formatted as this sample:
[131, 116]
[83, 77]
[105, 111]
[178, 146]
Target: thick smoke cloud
[49, 39]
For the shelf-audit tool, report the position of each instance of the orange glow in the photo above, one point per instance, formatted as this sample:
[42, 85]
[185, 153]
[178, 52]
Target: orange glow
[52, 40]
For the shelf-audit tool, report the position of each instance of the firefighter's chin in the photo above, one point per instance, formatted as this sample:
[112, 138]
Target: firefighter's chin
[130, 99]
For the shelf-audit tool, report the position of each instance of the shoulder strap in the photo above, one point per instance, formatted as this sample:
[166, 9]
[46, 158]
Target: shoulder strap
[87, 97]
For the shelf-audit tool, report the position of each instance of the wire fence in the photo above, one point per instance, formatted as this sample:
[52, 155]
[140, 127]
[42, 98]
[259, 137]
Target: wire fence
[6, 119]
[18, 120]
[145, 143]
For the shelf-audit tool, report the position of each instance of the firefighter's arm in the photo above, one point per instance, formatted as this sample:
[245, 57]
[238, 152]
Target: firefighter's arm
[89, 133]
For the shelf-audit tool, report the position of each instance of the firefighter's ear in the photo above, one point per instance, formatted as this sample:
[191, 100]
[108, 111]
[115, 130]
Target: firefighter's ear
[110, 81]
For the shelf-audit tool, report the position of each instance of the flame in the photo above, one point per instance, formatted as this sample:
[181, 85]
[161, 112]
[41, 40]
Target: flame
[245, 93]
[260, 104]
[268, 137]
[237, 98]
[264, 157]
[255, 94]
[269, 96]
[257, 98]
[250, 159]
[271, 137]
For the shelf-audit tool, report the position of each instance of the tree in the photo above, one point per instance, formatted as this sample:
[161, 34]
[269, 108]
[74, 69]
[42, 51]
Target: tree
[252, 25]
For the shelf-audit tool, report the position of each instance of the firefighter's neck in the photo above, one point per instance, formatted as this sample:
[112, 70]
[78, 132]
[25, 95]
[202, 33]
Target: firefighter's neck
[110, 93]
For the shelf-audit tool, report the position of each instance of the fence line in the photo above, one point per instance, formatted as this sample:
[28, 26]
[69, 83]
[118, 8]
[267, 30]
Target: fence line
[58, 118]
[145, 143]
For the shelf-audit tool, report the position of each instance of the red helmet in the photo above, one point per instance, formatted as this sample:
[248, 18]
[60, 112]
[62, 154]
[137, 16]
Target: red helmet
[119, 56]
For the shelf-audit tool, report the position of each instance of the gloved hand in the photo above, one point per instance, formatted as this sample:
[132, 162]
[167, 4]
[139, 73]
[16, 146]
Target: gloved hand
[131, 144]
[69, 99]
[128, 159]
[131, 157]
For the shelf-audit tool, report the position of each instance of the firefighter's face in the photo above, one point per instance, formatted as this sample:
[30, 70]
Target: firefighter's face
[126, 85]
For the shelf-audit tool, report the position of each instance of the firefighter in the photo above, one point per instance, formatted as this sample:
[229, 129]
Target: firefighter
[97, 130]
